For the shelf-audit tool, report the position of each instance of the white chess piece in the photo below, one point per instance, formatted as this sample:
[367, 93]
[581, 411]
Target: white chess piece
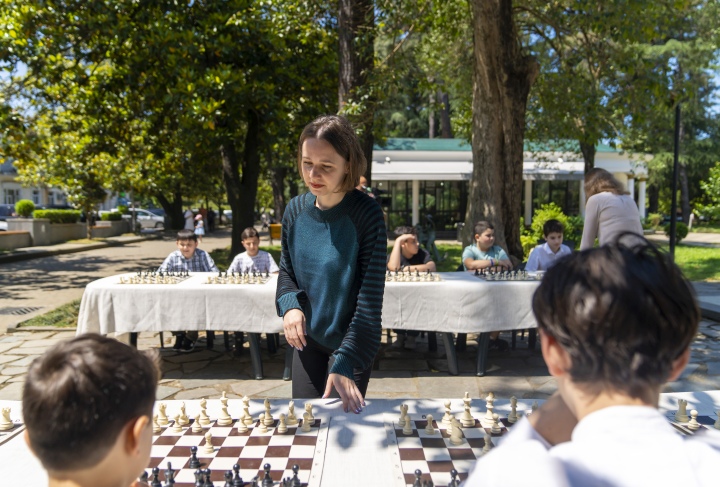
[693, 423]
[156, 426]
[467, 420]
[456, 433]
[224, 419]
[282, 426]
[308, 409]
[408, 427]
[430, 429]
[291, 419]
[241, 426]
[177, 427]
[269, 420]
[197, 425]
[184, 420]
[403, 415]
[488, 443]
[487, 421]
[208, 448]
[496, 430]
[6, 423]
[224, 399]
[162, 415]
[681, 414]
[512, 417]
[447, 417]
[717, 422]
[306, 423]
[262, 428]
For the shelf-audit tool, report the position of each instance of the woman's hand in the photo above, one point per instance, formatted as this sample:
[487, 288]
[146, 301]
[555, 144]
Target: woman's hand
[347, 389]
[294, 328]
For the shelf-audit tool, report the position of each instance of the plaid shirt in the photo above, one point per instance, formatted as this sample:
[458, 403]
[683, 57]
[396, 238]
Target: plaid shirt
[262, 262]
[199, 262]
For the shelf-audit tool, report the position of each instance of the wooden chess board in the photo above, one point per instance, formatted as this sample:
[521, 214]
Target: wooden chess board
[251, 450]
[706, 422]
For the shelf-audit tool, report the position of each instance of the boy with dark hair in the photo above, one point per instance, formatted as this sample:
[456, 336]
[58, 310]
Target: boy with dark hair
[253, 259]
[87, 406]
[187, 257]
[406, 255]
[547, 254]
[615, 324]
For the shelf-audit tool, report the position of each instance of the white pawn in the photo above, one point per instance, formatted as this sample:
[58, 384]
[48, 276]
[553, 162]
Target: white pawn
[512, 417]
[308, 409]
[177, 427]
[197, 425]
[282, 426]
[156, 426]
[447, 417]
[693, 424]
[717, 422]
[241, 426]
[6, 423]
[496, 430]
[681, 414]
[162, 415]
[262, 428]
[407, 428]
[291, 419]
[456, 433]
[224, 419]
[306, 424]
[430, 429]
[208, 448]
[488, 443]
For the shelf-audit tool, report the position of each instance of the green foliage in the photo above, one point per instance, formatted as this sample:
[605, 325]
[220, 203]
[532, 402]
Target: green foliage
[572, 226]
[66, 316]
[24, 208]
[122, 209]
[655, 219]
[711, 190]
[113, 216]
[681, 231]
[59, 216]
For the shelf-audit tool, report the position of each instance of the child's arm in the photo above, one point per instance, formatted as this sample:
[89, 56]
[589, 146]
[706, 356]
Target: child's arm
[504, 260]
[532, 263]
[393, 263]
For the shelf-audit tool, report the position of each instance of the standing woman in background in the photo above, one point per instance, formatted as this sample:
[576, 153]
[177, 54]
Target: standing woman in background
[609, 210]
[332, 268]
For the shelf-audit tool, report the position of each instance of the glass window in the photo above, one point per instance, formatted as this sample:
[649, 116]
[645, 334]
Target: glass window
[11, 196]
[36, 196]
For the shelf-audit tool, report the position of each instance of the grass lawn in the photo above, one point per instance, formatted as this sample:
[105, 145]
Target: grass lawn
[706, 227]
[65, 316]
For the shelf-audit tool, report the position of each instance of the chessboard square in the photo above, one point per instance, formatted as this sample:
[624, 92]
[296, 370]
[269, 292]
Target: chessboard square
[178, 463]
[220, 431]
[408, 454]
[440, 466]
[437, 455]
[457, 454]
[282, 440]
[235, 441]
[410, 441]
[190, 440]
[464, 466]
[304, 440]
[277, 451]
[302, 451]
[183, 477]
[304, 464]
[258, 440]
[399, 433]
[410, 478]
[474, 432]
[707, 420]
[229, 451]
[165, 440]
[179, 452]
[160, 451]
[412, 465]
[303, 475]
[234, 431]
[312, 432]
[251, 451]
[222, 463]
[432, 442]
[476, 442]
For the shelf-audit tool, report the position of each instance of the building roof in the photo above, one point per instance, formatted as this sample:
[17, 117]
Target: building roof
[408, 144]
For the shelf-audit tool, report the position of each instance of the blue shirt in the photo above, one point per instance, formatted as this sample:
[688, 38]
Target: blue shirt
[473, 252]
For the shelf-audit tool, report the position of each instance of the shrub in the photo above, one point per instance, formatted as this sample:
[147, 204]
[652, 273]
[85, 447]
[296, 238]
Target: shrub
[24, 208]
[655, 219]
[572, 224]
[59, 216]
[681, 231]
[122, 209]
[113, 216]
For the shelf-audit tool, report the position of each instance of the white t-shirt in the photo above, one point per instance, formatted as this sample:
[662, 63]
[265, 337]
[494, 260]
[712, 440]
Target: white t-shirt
[262, 262]
[189, 220]
[619, 446]
[542, 257]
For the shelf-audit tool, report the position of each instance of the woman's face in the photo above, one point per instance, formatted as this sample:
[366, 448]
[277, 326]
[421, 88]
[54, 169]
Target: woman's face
[323, 169]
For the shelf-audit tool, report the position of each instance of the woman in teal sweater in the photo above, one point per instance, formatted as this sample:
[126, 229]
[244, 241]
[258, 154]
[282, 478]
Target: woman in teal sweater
[332, 268]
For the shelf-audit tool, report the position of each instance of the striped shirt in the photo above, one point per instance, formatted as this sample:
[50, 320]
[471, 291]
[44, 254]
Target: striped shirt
[199, 262]
[262, 262]
[332, 268]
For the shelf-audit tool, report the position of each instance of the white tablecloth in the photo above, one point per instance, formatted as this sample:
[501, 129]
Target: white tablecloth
[460, 303]
[357, 452]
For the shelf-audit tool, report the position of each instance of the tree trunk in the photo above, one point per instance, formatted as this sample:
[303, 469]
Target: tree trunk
[684, 193]
[502, 77]
[445, 126]
[653, 198]
[588, 152]
[431, 117]
[277, 182]
[173, 209]
[356, 32]
[241, 181]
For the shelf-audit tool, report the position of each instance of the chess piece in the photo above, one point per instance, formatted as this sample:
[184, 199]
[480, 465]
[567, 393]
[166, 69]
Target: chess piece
[169, 474]
[681, 414]
[308, 409]
[467, 420]
[401, 421]
[224, 399]
[246, 411]
[197, 425]
[306, 423]
[454, 481]
[208, 448]
[208, 481]
[418, 478]
[194, 462]
[204, 418]
[512, 417]
[155, 478]
[184, 420]
[291, 419]
[496, 430]
[717, 421]
[241, 426]
[456, 433]
[156, 427]
[430, 429]
[534, 407]
[267, 480]
[407, 429]
[269, 420]
[693, 423]
[262, 428]
[224, 419]
[488, 443]
[237, 480]
[447, 417]
[162, 415]
[489, 406]
[228, 478]
[282, 426]
[177, 427]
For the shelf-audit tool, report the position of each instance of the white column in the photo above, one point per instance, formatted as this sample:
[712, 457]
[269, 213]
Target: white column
[415, 202]
[528, 202]
[582, 198]
[631, 185]
[641, 198]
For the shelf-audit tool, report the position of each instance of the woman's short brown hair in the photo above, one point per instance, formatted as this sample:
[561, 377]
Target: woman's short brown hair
[598, 180]
[337, 131]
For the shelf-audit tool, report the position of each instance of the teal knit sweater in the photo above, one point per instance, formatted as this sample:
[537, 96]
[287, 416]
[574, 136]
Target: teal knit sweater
[332, 268]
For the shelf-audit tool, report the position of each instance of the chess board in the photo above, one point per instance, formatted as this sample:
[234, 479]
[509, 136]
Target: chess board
[238, 279]
[706, 422]
[434, 455]
[152, 278]
[508, 276]
[410, 276]
[251, 450]
[8, 435]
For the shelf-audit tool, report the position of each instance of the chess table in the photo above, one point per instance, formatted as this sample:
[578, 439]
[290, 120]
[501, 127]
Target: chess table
[359, 450]
[458, 303]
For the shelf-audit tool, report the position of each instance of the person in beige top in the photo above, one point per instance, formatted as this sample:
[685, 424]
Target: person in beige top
[609, 210]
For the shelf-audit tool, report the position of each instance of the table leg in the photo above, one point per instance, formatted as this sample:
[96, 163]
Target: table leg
[432, 341]
[287, 373]
[133, 339]
[461, 342]
[210, 335]
[255, 356]
[450, 351]
[162, 340]
[532, 338]
[272, 340]
[226, 340]
[483, 347]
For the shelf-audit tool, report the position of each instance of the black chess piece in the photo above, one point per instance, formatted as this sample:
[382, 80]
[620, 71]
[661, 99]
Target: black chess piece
[295, 479]
[228, 479]
[194, 462]
[199, 480]
[169, 475]
[254, 482]
[454, 482]
[155, 478]
[418, 481]
[477, 272]
[267, 480]
[143, 477]
[237, 480]
[208, 482]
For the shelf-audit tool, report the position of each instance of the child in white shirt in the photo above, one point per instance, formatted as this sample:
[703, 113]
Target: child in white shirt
[545, 255]
[253, 259]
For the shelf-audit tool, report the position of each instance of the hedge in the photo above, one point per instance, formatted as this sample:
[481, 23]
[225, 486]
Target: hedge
[24, 208]
[58, 216]
[112, 216]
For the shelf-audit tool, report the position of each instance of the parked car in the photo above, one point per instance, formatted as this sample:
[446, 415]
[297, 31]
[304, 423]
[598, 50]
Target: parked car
[6, 212]
[145, 218]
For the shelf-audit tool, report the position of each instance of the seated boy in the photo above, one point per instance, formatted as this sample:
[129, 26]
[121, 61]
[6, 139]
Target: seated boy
[545, 255]
[253, 259]
[407, 256]
[615, 324]
[187, 257]
[87, 405]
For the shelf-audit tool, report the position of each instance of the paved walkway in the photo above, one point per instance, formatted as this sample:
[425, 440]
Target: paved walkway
[398, 374]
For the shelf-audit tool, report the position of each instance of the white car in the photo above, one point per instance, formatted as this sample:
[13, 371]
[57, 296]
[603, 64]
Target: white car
[145, 218]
